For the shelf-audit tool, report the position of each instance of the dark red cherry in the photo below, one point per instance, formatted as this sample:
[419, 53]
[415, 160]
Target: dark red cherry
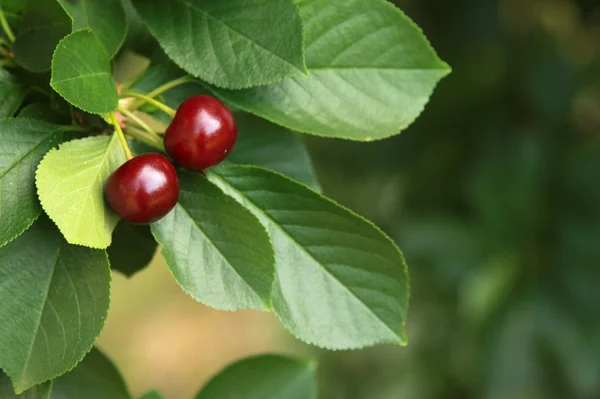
[202, 133]
[143, 189]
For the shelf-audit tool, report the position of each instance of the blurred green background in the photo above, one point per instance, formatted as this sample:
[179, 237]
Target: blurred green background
[494, 197]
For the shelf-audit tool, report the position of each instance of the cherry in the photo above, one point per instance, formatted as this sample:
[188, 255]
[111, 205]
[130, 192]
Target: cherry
[143, 189]
[202, 133]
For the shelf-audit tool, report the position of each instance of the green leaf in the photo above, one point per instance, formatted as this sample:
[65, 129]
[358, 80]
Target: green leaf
[371, 73]
[218, 251]
[43, 112]
[156, 76]
[70, 182]
[44, 24]
[106, 18]
[341, 283]
[24, 143]
[132, 248]
[54, 298]
[13, 6]
[152, 395]
[81, 73]
[262, 143]
[264, 377]
[37, 392]
[94, 378]
[12, 94]
[234, 44]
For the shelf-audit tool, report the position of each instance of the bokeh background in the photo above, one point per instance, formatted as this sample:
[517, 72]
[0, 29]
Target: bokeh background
[494, 197]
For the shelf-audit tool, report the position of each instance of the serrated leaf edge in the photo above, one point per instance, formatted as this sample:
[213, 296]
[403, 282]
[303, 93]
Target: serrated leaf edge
[19, 389]
[120, 6]
[17, 235]
[268, 305]
[103, 114]
[443, 67]
[44, 208]
[266, 82]
[402, 338]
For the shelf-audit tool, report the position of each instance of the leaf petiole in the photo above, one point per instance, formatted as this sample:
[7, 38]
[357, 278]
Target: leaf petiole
[6, 27]
[143, 137]
[139, 122]
[119, 132]
[168, 110]
[167, 86]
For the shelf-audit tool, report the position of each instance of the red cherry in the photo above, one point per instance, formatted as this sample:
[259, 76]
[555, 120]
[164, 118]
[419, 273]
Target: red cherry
[202, 133]
[143, 189]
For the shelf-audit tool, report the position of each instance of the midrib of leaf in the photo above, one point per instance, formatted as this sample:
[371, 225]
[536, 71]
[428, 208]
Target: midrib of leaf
[82, 77]
[6, 170]
[333, 277]
[101, 165]
[192, 6]
[219, 252]
[293, 382]
[376, 69]
[39, 322]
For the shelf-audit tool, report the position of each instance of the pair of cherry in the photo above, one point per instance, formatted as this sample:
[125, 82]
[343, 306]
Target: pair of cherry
[146, 188]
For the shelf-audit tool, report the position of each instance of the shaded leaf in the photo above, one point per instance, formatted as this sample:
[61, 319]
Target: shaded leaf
[106, 18]
[70, 182]
[54, 298]
[37, 392]
[11, 94]
[43, 112]
[264, 377]
[229, 43]
[132, 248]
[262, 143]
[23, 144]
[218, 251]
[341, 283]
[94, 378]
[44, 24]
[371, 73]
[81, 73]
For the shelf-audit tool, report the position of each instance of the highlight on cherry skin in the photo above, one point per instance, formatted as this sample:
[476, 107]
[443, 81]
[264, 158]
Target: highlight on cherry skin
[202, 133]
[143, 189]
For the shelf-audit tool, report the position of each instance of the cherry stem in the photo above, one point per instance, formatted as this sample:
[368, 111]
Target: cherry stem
[167, 86]
[168, 110]
[143, 137]
[119, 132]
[6, 27]
[139, 122]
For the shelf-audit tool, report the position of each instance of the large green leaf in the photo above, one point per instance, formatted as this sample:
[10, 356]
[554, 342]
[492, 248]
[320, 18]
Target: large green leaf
[37, 392]
[262, 143]
[218, 251]
[81, 73]
[106, 18]
[371, 73]
[94, 378]
[23, 143]
[11, 94]
[341, 283]
[70, 182]
[132, 248]
[44, 24]
[13, 6]
[54, 298]
[264, 377]
[230, 43]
